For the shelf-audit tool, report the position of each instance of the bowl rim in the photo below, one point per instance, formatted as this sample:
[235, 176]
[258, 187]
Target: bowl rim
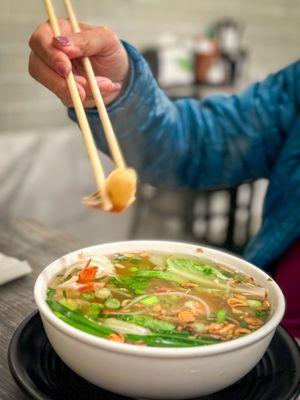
[165, 352]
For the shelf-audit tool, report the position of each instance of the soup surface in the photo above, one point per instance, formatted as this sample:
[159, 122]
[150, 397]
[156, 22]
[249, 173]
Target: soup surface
[155, 299]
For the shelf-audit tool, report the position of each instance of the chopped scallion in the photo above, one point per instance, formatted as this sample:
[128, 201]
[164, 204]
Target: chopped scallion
[112, 303]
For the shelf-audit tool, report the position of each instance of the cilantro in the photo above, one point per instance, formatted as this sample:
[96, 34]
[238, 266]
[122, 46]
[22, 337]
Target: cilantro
[262, 314]
[118, 258]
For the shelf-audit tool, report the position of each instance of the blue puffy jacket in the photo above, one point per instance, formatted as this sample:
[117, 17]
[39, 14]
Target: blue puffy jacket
[218, 142]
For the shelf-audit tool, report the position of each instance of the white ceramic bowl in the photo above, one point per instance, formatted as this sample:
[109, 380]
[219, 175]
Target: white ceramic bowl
[161, 373]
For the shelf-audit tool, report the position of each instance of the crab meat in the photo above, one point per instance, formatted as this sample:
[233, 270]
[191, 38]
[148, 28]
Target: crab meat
[104, 265]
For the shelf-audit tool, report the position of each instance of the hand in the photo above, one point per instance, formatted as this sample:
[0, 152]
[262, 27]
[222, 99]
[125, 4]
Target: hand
[51, 60]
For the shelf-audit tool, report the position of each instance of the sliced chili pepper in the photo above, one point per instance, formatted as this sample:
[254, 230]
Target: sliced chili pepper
[88, 273]
[86, 288]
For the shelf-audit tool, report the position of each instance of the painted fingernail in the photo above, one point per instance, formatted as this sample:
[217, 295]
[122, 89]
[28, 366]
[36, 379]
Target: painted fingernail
[62, 40]
[62, 68]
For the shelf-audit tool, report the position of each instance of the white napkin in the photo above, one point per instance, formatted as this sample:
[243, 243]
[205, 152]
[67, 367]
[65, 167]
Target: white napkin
[11, 268]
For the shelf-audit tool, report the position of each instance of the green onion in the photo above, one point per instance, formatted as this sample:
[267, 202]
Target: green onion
[119, 258]
[262, 314]
[133, 269]
[126, 327]
[135, 260]
[155, 325]
[168, 341]
[79, 326]
[76, 317]
[254, 304]
[112, 303]
[89, 296]
[50, 293]
[156, 275]
[95, 307]
[221, 316]
[69, 303]
[150, 300]
[94, 310]
[116, 282]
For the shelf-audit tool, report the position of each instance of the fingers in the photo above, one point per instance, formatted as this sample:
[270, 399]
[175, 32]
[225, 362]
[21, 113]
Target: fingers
[89, 42]
[40, 71]
[106, 85]
[41, 42]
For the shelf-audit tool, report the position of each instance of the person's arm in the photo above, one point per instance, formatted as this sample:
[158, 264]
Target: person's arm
[218, 142]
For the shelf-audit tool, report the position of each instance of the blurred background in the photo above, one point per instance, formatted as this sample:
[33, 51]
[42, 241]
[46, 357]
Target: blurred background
[195, 48]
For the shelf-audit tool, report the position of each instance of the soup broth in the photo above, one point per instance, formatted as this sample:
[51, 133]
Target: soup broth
[153, 299]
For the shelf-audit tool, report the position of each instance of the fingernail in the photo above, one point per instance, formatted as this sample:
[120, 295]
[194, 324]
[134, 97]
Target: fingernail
[116, 86]
[62, 40]
[62, 69]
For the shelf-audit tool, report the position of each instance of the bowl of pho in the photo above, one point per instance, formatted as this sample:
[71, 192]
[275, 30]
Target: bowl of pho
[157, 319]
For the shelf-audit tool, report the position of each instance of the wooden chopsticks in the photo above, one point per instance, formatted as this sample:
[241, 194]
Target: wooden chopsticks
[107, 127]
[80, 111]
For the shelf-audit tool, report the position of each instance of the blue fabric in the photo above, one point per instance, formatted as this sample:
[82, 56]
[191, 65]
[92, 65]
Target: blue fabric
[216, 143]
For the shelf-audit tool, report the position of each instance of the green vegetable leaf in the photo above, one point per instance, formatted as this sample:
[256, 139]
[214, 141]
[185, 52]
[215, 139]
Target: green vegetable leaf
[118, 258]
[221, 316]
[185, 269]
[94, 310]
[73, 318]
[116, 282]
[69, 303]
[139, 281]
[150, 300]
[169, 341]
[50, 293]
[148, 322]
[135, 260]
[194, 268]
[136, 285]
[254, 304]
[156, 275]
[262, 314]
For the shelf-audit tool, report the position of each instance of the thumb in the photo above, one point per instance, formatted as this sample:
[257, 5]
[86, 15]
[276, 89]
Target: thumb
[87, 43]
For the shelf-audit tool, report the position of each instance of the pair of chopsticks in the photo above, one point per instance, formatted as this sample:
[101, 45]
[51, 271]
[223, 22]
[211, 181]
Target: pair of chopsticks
[80, 112]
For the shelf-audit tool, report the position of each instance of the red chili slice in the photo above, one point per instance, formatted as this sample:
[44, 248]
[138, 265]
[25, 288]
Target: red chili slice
[88, 273]
[86, 288]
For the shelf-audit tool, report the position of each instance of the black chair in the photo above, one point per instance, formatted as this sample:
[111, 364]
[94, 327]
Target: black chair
[221, 218]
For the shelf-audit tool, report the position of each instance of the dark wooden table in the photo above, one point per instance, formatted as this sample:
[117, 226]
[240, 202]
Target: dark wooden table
[24, 239]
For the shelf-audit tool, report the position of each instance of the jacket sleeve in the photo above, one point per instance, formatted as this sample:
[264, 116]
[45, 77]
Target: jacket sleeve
[217, 142]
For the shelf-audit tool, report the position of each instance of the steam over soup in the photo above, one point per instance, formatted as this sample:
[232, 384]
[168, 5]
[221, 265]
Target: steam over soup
[158, 299]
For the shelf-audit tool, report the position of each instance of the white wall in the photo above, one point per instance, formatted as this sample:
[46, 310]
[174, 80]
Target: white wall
[272, 34]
